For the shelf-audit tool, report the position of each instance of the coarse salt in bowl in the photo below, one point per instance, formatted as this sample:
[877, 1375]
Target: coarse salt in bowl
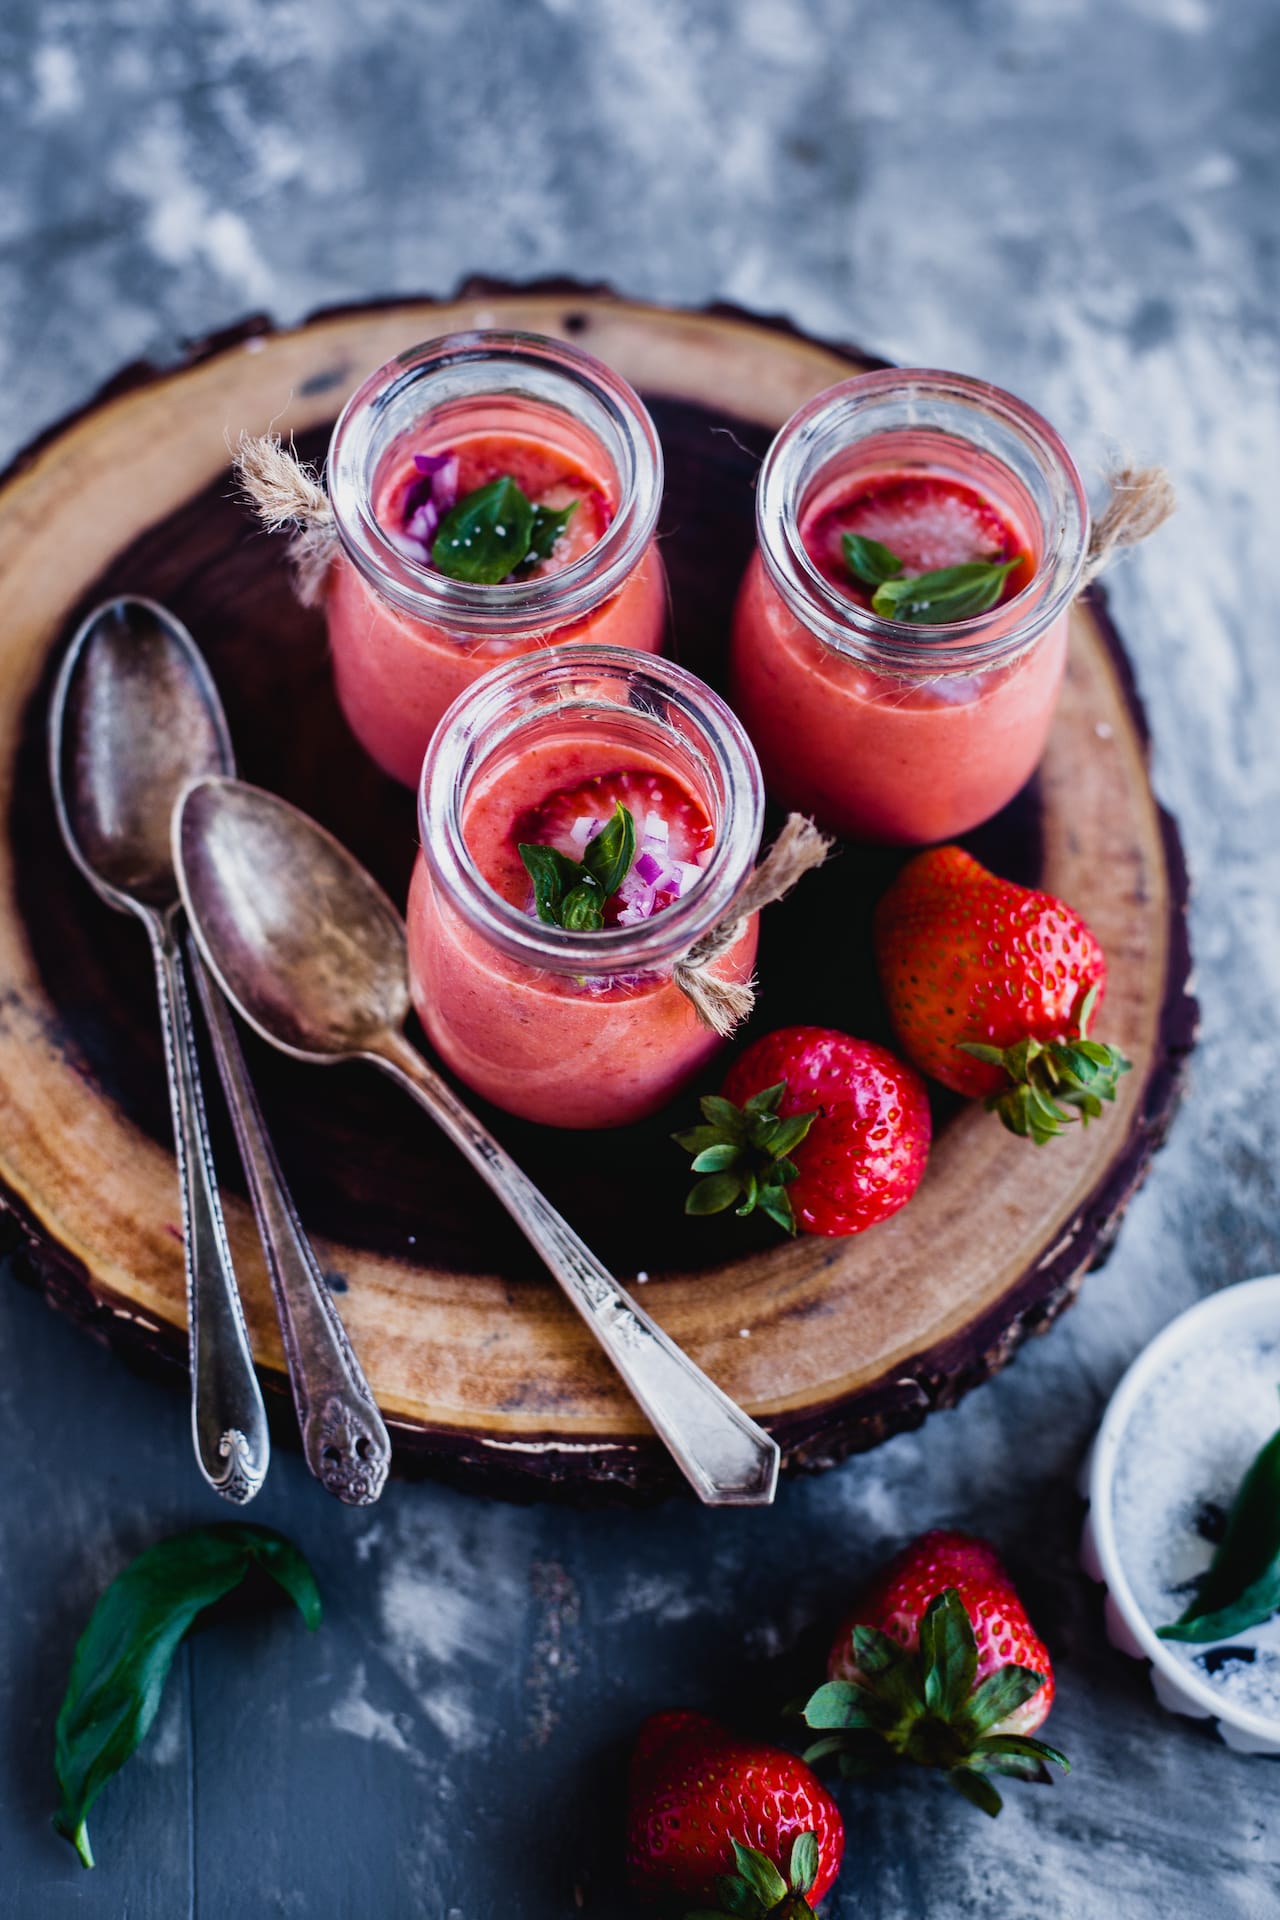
[1177, 1439]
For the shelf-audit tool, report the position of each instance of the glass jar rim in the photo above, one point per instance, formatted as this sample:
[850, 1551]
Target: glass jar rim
[507, 606]
[854, 630]
[653, 943]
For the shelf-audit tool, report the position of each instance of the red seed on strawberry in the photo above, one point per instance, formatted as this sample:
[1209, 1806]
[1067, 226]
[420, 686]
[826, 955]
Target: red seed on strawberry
[817, 1129]
[700, 1799]
[991, 988]
[938, 1664]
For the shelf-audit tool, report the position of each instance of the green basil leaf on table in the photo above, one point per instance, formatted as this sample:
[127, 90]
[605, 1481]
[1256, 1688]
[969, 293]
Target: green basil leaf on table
[487, 535]
[123, 1657]
[1242, 1585]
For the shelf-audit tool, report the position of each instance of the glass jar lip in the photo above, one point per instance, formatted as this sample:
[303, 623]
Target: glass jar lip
[655, 942]
[507, 607]
[851, 629]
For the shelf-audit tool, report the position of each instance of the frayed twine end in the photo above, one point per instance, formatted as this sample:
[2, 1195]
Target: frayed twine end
[1141, 499]
[286, 494]
[720, 1004]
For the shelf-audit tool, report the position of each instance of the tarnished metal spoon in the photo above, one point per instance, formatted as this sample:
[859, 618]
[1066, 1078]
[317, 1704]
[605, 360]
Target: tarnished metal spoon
[134, 716]
[312, 954]
[155, 720]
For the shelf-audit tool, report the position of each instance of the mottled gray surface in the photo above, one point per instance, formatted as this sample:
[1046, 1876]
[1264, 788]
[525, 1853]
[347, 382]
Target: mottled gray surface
[1076, 198]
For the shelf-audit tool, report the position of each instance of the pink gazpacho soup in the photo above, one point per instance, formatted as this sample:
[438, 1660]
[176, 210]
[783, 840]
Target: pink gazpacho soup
[584, 1048]
[901, 631]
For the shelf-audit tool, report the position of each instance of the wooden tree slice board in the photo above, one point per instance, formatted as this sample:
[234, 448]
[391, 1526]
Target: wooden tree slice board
[481, 1370]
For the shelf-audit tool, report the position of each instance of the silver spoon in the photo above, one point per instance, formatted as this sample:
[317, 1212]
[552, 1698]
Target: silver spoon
[344, 1440]
[134, 715]
[311, 953]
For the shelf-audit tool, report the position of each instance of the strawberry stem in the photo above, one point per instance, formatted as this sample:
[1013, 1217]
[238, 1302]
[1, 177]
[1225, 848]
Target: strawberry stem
[743, 1154]
[1047, 1077]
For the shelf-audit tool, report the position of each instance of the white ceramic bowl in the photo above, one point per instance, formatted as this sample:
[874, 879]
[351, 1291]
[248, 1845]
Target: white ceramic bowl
[1249, 1310]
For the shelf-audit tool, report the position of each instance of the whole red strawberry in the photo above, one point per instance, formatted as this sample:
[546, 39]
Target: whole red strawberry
[991, 988]
[705, 1809]
[939, 1664]
[816, 1129]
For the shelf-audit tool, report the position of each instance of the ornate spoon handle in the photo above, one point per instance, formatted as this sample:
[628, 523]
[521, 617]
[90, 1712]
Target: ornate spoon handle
[727, 1459]
[228, 1421]
[344, 1440]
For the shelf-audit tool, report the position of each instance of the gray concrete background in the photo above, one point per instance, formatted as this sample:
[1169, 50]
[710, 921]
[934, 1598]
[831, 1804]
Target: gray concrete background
[1076, 198]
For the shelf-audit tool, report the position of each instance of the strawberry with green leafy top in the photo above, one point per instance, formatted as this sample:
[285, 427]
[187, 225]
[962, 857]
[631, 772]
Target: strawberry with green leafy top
[737, 1827]
[939, 1665]
[991, 988]
[817, 1129]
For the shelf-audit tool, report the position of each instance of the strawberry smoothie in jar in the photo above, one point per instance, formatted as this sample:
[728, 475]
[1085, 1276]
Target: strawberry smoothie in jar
[494, 494]
[901, 630]
[586, 816]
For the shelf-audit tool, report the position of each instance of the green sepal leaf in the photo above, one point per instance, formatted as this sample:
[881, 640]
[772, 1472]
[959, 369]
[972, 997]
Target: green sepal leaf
[874, 1651]
[1009, 1747]
[607, 857]
[944, 594]
[975, 1787]
[759, 1872]
[1242, 1585]
[1051, 1082]
[948, 1655]
[714, 1194]
[715, 1159]
[487, 535]
[123, 1657]
[843, 1703]
[722, 1113]
[1001, 1694]
[548, 524]
[738, 1898]
[803, 1870]
[868, 561]
[749, 1145]
[775, 1202]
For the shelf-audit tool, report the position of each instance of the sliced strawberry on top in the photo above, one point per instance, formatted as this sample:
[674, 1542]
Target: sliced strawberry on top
[926, 520]
[673, 834]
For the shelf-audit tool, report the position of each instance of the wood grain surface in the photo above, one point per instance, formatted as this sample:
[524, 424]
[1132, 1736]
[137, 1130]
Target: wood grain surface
[481, 1371]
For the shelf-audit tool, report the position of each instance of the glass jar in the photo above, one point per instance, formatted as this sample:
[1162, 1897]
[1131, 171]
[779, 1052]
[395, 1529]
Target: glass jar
[879, 729]
[573, 1029]
[406, 640]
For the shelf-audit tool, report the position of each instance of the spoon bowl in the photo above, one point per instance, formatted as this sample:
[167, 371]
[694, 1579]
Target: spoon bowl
[301, 938]
[135, 715]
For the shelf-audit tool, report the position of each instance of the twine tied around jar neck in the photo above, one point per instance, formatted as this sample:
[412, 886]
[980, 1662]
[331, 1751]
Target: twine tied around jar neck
[287, 494]
[724, 1004]
[1140, 499]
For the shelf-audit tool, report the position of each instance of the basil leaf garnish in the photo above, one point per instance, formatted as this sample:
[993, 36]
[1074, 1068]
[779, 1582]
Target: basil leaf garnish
[122, 1658]
[548, 524]
[487, 535]
[1242, 1585]
[607, 858]
[868, 561]
[553, 877]
[948, 593]
[574, 895]
[496, 532]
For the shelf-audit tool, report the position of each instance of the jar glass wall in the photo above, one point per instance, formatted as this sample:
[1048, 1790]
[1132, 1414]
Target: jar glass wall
[879, 729]
[576, 1029]
[407, 639]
